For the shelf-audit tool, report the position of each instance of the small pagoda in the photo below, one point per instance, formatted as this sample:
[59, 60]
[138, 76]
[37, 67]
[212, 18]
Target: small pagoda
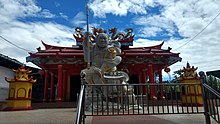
[192, 92]
[20, 90]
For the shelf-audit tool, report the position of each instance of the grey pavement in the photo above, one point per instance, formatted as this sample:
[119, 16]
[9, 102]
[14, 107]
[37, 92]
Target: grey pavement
[66, 116]
[40, 116]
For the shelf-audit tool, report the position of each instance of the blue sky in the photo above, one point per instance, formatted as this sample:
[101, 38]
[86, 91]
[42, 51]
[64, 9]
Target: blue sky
[190, 27]
[73, 14]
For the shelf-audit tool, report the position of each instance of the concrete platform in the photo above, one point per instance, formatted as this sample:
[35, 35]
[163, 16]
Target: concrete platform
[66, 116]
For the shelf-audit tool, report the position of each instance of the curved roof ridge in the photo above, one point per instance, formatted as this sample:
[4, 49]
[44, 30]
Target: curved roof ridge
[150, 47]
[48, 46]
[156, 46]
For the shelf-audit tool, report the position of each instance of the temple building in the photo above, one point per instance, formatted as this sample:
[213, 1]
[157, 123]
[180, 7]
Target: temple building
[62, 65]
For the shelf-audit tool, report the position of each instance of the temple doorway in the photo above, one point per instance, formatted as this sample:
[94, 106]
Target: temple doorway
[134, 79]
[75, 85]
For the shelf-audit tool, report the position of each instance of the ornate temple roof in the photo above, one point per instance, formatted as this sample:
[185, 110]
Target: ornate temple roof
[74, 55]
[149, 51]
[71, 56]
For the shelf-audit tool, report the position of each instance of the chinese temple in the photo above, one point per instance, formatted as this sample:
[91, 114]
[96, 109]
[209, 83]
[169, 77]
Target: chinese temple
[62, 65]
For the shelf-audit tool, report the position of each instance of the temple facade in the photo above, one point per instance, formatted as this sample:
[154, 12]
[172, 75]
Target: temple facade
[62, 65]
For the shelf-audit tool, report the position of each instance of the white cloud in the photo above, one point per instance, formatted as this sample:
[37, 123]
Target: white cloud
[149, 32]
[79, 19]
[63, 15]
[151, 25]
[14, 9]
[145, 43]
[46, 14]
[190, 17]
[28, 35]
[119, 7]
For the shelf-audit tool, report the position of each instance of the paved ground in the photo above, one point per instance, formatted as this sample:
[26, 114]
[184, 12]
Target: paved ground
[66, 116]
[39, 116]
[149, 119]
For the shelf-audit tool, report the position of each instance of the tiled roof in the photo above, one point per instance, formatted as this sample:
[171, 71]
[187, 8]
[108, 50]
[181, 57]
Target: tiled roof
[78, 52]
[6, 59]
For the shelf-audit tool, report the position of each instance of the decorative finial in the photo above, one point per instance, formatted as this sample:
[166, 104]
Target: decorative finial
[87, 18]
[188, 65]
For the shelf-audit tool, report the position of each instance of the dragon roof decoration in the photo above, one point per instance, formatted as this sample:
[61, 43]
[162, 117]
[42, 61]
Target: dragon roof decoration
[126, 39]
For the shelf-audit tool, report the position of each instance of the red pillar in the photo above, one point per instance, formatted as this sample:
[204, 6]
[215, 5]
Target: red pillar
[161, 81]
[140, 80]
[143, 80]
[60, 74]
[51, 87]
[152, 81]
[45, 86]
[64, 84]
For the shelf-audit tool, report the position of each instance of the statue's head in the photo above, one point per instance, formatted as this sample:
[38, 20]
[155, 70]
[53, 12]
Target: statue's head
[102, 40]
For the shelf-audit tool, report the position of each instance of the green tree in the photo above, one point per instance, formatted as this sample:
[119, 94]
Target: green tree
[214, 82]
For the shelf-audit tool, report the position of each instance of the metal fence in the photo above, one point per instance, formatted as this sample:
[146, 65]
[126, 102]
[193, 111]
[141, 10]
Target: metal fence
[137, 99]
[113, 100]
[211, 98]
[108, 100]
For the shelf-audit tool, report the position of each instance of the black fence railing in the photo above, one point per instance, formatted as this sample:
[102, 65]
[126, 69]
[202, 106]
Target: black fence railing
[137, 99]
[211, 99]
[110, 100]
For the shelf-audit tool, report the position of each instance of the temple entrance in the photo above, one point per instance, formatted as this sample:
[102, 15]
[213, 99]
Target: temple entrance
[134, 79]
[75, 85]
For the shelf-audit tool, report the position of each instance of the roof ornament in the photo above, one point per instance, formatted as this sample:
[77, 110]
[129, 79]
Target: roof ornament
[78, 31]
[189, 72]
[114, 35]
[125, 38]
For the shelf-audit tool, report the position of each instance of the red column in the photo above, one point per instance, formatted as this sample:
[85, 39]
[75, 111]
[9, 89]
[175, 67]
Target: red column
[64, 84]
[140, 81]
[51, 87]
[60, 74]
[45, 86]
[161, 81]
[143, 80]
[152, 81]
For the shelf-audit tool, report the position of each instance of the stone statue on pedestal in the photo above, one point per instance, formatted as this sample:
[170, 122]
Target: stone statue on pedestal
[104, 58]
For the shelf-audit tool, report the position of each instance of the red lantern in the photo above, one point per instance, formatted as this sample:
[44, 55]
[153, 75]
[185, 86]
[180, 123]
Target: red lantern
[167, 69]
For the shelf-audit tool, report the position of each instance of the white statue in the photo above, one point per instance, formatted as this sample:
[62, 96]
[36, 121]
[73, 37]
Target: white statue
[103, 56]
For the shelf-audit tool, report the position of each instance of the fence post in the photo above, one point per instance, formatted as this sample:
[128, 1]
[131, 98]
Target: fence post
[83, 83]
[80, 114]
[202, 81]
